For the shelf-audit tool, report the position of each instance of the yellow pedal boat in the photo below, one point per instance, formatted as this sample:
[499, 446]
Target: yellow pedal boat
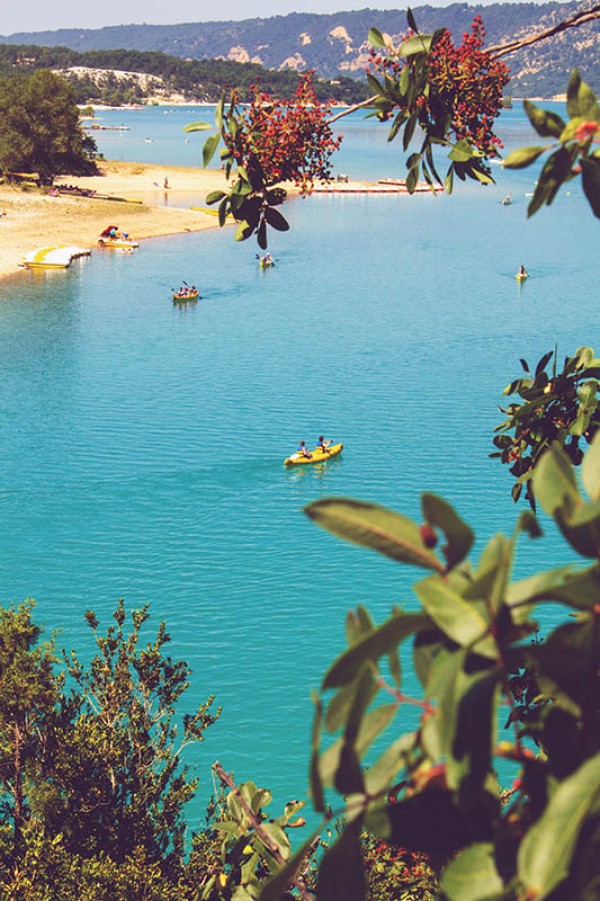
[316, 456]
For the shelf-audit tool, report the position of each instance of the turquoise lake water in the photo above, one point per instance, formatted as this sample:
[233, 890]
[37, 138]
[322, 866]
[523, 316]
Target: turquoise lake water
[142, 445]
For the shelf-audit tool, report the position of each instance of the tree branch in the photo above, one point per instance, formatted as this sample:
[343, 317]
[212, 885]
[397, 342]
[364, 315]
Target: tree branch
[578, 18]
[297, 881]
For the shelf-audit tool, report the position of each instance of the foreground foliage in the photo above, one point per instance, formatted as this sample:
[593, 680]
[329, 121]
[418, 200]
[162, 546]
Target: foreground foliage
[554, 406]
[268, 143]
[434, 785]
[92, 787]
[575, 154]
[442, 96]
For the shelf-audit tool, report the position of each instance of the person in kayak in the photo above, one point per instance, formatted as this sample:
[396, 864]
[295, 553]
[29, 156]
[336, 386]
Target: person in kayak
[523, 271]
[302, 450]
[324, 444]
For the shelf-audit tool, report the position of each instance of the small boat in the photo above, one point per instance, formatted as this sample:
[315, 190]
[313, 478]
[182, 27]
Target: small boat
[521, 276]
[506, 201]
[188, 297]
[318, 455]
[116, 240]
[120, 243]
[58, 256]
[266, 262]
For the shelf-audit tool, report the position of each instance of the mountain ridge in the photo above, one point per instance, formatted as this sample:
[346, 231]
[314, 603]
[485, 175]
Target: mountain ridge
[336, 43]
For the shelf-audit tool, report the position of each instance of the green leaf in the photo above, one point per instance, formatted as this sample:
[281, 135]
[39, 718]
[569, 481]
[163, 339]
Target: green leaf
[316, 785]
[472, 874]
[373, 646]
[371, 726]
[210, 146]
[418, 43]
[590, 179]
[276, 220]
[277, 837]
[375, 85]
[382, 773]
[556, 170]
[215, 197]
[409, 131]
[579, 590]
[586, 394]
[376, 38]
[411, 20]
[375, 527]
[590, 469]
[223, 212]
[243, 231]
[275, 888]
[219, 112]
[341, 876]
[581, 100]
[197, 126]
[458, 534]
[542, 586]
[455, 616]
[554, 482]
[523, 157]
[546, 851]
[546, 123]
[462, 152]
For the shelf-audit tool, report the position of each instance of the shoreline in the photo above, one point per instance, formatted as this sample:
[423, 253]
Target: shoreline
[32, 219]
[130, 196]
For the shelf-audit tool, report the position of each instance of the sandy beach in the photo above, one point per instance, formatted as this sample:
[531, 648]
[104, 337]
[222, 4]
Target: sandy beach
[131, 196]
[33, 219]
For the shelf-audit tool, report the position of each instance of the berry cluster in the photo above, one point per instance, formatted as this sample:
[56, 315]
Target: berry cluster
[284, 140]
[465, 85]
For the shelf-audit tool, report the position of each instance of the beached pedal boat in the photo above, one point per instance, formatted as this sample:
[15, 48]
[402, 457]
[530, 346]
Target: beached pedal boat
[185, 298]
[59, 256]
[117, 243]
[316, 456]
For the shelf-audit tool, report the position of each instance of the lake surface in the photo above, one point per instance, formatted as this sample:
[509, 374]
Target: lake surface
[143, 444]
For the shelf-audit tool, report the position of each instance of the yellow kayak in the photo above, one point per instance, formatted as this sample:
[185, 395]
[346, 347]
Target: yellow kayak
[521, 276]
[185, 298]
[316, 456]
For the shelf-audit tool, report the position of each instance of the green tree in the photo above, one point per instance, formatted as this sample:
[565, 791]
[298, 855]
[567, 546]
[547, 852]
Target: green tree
[39, 128]
[92, 783]
[29, 692]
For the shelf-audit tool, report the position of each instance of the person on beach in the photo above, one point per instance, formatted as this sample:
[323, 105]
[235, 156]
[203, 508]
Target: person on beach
[166, 184]
[303, 450]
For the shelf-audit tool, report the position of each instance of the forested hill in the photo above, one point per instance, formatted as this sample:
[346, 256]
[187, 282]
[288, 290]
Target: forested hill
[336, 43]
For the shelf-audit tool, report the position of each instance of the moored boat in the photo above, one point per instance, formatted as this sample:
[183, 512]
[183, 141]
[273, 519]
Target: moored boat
[318, 455]
[111, 237]
[57, 256]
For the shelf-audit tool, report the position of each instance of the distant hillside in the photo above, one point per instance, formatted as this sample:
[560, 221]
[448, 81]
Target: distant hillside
[336, 43]
[117, 77]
